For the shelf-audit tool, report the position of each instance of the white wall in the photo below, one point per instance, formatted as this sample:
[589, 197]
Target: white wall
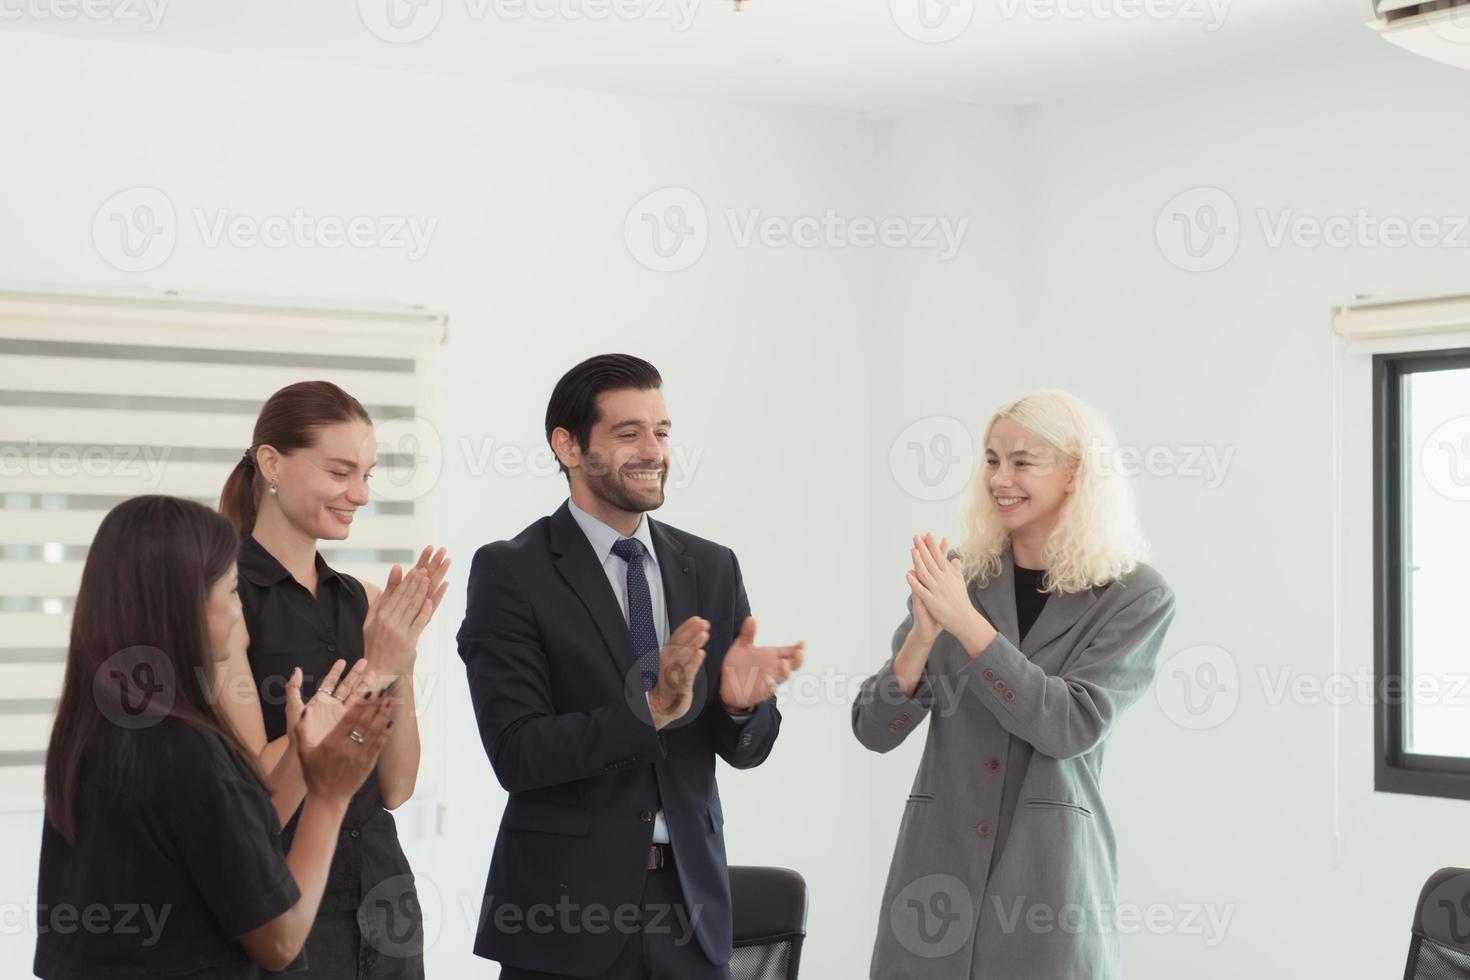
[1268, 815]
[763, 351]
[1272, 811]
[793, 371]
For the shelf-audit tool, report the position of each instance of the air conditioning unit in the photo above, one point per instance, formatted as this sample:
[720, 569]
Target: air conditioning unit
[1438, 29]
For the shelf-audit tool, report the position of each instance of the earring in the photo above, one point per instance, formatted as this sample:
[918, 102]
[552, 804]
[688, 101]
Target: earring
[273, 488]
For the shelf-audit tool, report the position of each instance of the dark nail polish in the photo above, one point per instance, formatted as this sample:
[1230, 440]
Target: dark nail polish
[390, 726]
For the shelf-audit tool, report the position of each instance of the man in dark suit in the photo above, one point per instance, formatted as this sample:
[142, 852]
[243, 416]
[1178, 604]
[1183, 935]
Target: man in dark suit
[610, 659]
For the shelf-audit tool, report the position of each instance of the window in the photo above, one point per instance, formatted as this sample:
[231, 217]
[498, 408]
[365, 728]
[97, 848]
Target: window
[1422, 569]
[105, 399]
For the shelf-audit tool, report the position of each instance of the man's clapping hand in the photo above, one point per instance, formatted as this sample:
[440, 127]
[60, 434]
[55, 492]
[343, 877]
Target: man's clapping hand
[750, 674]
[679, 663]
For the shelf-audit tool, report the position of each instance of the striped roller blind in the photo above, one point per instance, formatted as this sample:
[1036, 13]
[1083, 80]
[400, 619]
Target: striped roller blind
[105, 399]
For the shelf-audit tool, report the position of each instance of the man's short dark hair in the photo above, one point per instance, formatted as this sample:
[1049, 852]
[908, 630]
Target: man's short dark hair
[573, 404]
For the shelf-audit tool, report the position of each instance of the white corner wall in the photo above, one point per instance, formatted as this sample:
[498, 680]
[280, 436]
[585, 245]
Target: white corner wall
[1250, 831]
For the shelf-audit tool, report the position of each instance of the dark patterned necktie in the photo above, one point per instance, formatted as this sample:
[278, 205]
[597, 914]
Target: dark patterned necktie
[640, 610]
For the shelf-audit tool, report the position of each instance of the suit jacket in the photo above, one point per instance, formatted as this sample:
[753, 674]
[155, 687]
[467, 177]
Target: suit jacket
[1005, 865]
[562, 713]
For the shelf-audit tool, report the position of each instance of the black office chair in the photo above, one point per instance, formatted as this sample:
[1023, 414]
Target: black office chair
[1440, 948]
[769, 911]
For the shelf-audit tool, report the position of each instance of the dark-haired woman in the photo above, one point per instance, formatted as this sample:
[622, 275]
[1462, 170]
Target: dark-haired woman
[161, 853]
[302, 480]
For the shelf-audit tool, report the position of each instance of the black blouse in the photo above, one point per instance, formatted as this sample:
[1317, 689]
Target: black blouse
[1029, 597]
[178, 853]
[289, 629]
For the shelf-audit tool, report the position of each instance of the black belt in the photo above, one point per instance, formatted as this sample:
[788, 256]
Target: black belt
[660, 856]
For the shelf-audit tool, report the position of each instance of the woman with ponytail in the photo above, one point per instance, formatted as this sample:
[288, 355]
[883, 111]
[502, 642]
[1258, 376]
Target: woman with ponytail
[302, 479]
[161, 853]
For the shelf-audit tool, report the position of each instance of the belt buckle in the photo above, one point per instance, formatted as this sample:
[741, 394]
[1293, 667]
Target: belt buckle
[655, 857]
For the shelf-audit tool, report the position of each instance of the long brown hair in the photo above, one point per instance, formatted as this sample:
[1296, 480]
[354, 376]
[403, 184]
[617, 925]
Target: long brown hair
[140, 626]
[288, 421]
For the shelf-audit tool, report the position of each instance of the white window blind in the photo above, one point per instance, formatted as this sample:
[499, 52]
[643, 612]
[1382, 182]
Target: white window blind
[105, 399]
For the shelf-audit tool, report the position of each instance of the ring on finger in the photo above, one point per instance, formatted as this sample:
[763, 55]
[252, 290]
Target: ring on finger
[356, 736]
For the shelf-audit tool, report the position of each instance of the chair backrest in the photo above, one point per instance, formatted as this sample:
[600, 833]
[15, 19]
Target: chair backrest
[1440, 946]
[769, 912]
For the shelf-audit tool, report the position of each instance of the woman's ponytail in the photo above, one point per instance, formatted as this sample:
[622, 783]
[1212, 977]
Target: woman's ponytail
[237, 500]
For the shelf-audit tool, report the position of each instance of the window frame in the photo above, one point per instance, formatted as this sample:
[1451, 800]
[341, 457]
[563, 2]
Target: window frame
[1397, 770]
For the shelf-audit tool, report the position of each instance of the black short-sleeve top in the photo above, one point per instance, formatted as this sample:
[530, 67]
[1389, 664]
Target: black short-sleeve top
[178, 854]
[288, 629]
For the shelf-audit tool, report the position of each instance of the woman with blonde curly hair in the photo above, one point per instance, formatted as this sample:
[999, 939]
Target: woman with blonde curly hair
[1022, 647]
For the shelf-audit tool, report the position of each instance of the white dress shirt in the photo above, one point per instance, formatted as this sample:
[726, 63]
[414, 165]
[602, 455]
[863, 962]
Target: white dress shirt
[602, 539]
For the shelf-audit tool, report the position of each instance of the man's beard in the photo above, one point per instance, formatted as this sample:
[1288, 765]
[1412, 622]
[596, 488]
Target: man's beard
[608, 487]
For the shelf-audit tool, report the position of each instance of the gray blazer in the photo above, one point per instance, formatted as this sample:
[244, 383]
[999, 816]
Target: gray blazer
[1005, 867]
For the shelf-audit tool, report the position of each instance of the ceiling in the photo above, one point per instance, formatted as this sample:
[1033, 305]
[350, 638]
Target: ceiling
[862, 56]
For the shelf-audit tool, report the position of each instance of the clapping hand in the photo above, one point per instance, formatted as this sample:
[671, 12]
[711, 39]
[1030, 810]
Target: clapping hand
[436, 565]
[925, 628]
[396, 618]
[679, 663]
[750, 674]
[335, 694]
[938, 583]
[338, 745]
